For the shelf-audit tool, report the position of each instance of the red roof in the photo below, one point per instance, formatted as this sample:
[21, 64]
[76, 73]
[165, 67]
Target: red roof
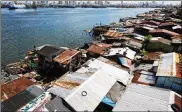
[99, 48]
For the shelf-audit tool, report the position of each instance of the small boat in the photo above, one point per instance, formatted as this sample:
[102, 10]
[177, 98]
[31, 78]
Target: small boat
[16, 6]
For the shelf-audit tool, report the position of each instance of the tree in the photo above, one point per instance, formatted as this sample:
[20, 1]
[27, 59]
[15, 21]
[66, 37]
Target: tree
[146, 41]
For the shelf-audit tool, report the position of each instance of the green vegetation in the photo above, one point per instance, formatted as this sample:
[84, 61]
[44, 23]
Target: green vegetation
[147, 38]
[143, 52]
[146, 41]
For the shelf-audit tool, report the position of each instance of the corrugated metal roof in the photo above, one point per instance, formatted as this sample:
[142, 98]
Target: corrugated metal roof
[20, 99]
[70, 81]
[48, 51]
[115, 64]
[134, 43]
[119, 74]
[62, 89]
[99, 48]
[143, 77]
[160, 39]
[114, 51]
[12, 88]
[169, 65]
[152, 56]
[113, 34]
[144, 66]
[164, 31]
[88, 96]
[168, 24]
[151, 22]
[57, 104]
[139, 97]
[66, 56]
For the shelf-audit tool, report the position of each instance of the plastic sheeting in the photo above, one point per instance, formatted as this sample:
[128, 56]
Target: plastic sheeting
[108, 101]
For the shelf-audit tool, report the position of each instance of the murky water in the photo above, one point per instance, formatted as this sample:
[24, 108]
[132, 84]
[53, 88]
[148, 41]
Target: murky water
[24, 28]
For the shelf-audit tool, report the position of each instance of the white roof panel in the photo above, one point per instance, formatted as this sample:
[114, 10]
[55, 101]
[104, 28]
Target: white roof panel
[94, 89]
[140, 97]
[167, 65]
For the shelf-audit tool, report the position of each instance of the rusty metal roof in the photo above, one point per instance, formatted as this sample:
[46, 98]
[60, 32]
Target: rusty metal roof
[66, 56]
[14, 87]
[113, 34]
[152, 56]
[164, 31]
[99, 48]
[145, 79]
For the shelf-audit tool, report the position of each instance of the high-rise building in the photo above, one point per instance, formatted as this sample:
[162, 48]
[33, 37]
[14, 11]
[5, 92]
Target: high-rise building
[66, 2]
[100, 3]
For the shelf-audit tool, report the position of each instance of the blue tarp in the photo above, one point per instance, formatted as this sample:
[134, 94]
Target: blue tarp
[108, 101]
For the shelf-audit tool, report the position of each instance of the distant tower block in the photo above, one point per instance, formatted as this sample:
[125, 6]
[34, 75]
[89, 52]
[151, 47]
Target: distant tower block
[121, 3]
[60, 2]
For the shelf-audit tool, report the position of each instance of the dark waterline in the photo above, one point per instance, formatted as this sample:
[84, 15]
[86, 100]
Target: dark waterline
[24, 28]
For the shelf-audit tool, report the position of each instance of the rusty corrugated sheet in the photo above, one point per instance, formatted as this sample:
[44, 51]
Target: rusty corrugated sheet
[136, 77]
[113, 34]
[177, 101]
[99, 48]
[179, 66]
[14, 87]
[65, 56]
[152, 56]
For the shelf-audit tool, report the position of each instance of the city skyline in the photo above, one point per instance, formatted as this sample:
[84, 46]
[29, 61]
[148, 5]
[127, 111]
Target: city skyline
[113, 2]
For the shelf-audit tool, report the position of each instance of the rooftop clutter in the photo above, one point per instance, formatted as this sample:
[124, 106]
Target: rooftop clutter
[135, 64]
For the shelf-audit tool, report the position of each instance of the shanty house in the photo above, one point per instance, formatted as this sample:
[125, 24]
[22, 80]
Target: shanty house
[46, 55]
[169, 72]
[69, 58]
[159, 44]
[163, 33]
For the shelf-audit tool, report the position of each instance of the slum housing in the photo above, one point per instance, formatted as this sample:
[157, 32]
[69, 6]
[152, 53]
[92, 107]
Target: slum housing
[134, 65]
